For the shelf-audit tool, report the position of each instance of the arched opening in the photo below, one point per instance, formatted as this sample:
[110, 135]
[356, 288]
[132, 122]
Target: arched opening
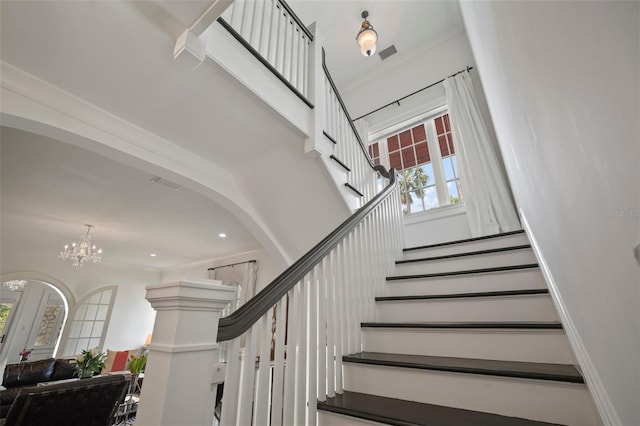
[32, 318]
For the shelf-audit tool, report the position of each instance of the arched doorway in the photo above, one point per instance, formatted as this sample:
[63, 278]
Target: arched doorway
[32, 320]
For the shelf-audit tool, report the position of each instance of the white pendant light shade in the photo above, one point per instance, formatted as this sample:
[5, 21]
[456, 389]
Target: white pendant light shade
[367, 40]
[367, 37]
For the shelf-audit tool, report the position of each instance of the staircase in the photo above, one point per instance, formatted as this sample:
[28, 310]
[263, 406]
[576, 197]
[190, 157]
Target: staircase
[466, 333]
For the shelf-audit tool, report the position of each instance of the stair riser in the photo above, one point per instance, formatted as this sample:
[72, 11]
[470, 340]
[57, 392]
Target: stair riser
[495, 281]
[510, 308]
[491, 243]
[541, 400]
[515, 257]
[549, 346]
[327, 418]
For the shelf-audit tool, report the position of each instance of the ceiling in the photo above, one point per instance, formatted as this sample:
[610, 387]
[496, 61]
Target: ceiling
[51, 189]
[118, 56]
[413, 26]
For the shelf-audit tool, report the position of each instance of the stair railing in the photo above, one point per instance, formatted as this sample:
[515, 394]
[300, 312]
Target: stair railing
[285, 345]
[273, 33]
[348, 144]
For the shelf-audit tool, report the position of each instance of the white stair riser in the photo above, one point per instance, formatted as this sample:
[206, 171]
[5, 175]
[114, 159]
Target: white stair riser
[472, 283]
[491, 243]
[549, 346]
[541, 400]
[510, 308]
[328, 418]
[514, 257]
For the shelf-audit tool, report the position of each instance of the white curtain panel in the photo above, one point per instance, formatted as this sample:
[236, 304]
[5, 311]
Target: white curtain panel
[487, 195]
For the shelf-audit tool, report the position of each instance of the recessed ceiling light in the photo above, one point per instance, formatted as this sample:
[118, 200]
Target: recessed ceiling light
[222, 235]
[152, 255]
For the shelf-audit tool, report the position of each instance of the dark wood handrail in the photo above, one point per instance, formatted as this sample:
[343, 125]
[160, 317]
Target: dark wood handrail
[346, 113]
[295, 18]
[266, 63]
[248, 314]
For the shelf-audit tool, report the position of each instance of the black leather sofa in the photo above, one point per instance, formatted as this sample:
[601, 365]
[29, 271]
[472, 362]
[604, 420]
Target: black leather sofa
[28, 374]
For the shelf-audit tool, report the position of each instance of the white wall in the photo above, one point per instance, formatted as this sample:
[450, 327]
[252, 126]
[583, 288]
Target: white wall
[442, 60]
[268, 269]
[561, 80]
[436, 226]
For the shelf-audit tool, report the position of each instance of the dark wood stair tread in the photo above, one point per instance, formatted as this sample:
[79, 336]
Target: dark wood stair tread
[526, 292]
[466, 240]
[466, 254]
[526, 370]
[464, 272]
[517, 325]
[408, 413]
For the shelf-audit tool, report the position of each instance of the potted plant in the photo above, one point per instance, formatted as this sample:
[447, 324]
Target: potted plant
[89, 362]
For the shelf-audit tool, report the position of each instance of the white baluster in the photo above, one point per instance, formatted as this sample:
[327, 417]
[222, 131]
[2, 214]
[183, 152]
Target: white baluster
[305, 68]
[322, 332]
[330, 314]
[256, 24]
[301, 361]
[279, 367]
[247, 17]
[340, 314]
[245, 401]
[312, 366]
[263, 386]
[295, 58]
[274, 33]
[264, 36]
[231, 384]
[293, 334]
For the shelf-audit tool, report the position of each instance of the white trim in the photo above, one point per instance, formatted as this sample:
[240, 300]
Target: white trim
[594, 383]
[183, 348]
[407, 120]
[436, 213]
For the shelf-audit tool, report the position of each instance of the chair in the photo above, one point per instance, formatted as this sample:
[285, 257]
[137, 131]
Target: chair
[87, 402]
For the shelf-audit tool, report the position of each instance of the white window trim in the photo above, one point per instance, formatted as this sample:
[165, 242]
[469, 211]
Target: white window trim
[436, 213]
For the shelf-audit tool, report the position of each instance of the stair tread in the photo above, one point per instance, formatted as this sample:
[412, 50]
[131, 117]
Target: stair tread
[529, 370]
[405, 413]
[466, 240]
[466, 254]
[514, 325]
[464, 272]
[534, 291]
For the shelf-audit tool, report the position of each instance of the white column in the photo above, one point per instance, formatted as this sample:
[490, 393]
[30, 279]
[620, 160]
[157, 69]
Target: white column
[183, 366]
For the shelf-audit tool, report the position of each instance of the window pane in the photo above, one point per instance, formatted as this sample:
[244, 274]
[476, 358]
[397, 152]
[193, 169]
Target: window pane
[82, 344]
[97, 329]
[430, 197]
[103, 310]
[454, 197]
[448, 169]
[392, 143]
[422, 152]
[105, 299]
[427, 169]
[95, 299]
[408, 157]
[86, 329]
[394, 160]
[76, 326]
[91, 312]
[416, 202]
[455, 165]
[405, 138]
[419, 133]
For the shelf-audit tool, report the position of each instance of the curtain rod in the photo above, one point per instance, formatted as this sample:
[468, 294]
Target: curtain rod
[232, 264]
[397, 101]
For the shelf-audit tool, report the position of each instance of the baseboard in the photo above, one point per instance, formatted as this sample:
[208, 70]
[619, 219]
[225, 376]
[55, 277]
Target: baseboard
[603, 403]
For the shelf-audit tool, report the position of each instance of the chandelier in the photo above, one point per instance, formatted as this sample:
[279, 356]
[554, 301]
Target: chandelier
[14, 285]
[82, 251]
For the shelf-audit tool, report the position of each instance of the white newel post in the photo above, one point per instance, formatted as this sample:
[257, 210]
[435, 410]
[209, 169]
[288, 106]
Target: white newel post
[316, 144]
[183, 366]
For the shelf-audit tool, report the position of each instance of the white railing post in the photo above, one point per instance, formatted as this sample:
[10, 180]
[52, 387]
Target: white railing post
[183, 367]
[316, 144]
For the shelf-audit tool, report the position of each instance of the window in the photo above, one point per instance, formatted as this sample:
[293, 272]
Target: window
[425, 157]
[89, 325]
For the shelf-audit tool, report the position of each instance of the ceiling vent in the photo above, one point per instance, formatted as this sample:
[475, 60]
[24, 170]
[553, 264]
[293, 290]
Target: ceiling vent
[164, 182]
[389, 51]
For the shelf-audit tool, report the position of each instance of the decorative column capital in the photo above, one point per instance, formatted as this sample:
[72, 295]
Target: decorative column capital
[192, 295]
